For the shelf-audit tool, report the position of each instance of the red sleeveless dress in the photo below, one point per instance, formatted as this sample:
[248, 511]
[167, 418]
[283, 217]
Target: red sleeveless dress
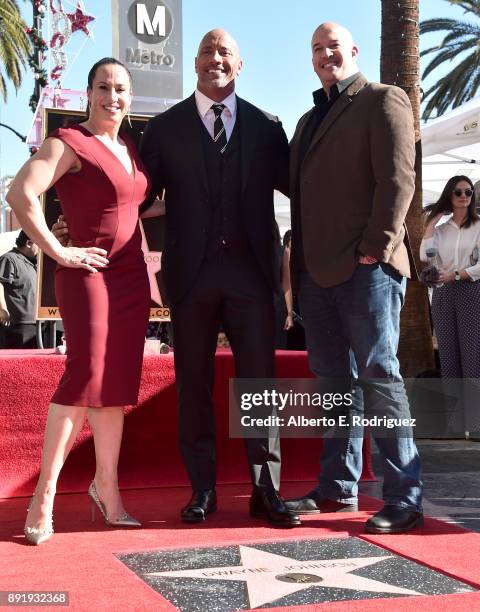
[105, 315]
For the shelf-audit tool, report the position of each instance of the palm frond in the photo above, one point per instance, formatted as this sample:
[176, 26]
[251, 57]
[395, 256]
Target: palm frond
[469, 6]
[460, 36]
[472, 32]
[437, 24]
[474, 83]
[461, 84]
[452, 89]
[430, 50]
[445, 55]
[3, 88]
[15, 45]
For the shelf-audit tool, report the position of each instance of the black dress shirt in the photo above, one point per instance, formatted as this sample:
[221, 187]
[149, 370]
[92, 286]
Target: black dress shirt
[323, 103]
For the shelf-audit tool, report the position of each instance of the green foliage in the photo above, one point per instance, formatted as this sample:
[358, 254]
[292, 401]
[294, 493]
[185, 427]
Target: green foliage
[463, 80]
[469, 6]
[14, 46]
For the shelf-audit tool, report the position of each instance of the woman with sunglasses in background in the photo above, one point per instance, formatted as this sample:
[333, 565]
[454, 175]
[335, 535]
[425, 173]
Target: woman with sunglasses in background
[456, 298]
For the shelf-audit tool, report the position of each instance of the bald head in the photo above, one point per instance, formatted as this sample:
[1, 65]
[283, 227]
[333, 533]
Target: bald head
[335, 29]
[217, 64]
[334, 54]
[216, 34]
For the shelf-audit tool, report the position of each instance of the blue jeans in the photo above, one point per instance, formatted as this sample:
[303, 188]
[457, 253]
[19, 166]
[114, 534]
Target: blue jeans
[352, 332]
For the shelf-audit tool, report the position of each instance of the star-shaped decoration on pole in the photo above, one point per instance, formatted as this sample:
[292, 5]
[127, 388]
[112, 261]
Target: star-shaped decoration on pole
[270, 577]
[80, 20]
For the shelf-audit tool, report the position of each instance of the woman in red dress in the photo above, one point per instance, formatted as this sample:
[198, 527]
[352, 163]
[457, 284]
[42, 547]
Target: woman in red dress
[101, 285]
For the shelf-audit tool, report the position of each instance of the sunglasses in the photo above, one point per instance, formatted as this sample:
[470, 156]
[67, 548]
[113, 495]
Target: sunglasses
[460, 192]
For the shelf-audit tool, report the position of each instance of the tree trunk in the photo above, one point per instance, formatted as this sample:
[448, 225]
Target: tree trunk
[400, 65]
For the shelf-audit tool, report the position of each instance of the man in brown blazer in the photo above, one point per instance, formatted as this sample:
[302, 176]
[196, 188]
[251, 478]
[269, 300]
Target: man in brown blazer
[352, 181]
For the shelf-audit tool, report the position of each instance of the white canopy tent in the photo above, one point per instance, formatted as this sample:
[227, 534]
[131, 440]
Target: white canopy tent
[451, 146]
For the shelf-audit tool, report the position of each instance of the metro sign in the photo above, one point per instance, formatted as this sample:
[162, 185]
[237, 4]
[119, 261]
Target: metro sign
[147, 36]
[144, 23]
[150, 21]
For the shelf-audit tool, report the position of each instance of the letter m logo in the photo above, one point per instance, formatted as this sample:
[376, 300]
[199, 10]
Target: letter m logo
[154, 26]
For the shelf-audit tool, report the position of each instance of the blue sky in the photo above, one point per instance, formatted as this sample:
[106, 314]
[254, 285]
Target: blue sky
[274, 39]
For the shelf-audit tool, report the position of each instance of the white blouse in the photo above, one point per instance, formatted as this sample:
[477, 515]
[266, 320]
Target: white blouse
[457, 248]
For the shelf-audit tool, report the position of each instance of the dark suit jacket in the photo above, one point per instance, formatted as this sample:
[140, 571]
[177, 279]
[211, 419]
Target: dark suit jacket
[356, 182]
[172, 151]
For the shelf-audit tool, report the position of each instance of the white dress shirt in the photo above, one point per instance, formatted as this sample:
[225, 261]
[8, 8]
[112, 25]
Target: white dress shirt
[207, 115]
[457, 248]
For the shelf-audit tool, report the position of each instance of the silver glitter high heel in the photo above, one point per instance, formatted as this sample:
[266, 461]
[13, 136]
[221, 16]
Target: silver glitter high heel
[124, 521]
[38, 536]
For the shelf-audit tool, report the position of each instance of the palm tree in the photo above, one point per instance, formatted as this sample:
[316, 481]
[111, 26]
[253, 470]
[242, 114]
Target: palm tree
[463, 80]
[14, 45]
[400, 65]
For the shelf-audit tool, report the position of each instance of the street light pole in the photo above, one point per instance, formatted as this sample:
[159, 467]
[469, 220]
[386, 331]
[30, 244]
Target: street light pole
[22, 138]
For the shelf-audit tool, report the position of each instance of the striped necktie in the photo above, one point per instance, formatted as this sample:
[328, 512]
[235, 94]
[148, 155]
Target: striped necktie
[219, 134]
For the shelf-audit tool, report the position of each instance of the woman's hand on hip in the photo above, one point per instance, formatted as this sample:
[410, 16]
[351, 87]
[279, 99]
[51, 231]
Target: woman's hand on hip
[89, 258]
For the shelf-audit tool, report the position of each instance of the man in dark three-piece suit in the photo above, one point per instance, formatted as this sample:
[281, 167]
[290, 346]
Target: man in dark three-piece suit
[352, 180]
[219, 159]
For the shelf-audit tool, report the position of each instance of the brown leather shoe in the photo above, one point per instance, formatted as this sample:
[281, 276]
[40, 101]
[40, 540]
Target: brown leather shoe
[312, 503]
[200, 505]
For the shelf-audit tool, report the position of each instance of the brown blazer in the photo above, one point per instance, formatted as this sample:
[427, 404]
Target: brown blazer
[356, 182]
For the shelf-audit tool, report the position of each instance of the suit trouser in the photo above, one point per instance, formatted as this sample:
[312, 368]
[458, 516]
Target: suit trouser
[230, 292]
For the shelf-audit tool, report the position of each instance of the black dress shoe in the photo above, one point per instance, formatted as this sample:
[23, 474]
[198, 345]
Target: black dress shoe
[393, 519]
[311, 503]
[267, 503]
[200, 504]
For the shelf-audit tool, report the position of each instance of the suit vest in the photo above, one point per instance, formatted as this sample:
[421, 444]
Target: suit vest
[224, 173]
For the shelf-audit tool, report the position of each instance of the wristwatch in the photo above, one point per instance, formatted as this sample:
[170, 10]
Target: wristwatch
[457, 275]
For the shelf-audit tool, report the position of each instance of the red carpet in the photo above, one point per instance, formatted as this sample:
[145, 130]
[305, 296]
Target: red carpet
[150, 455]
[80, 558]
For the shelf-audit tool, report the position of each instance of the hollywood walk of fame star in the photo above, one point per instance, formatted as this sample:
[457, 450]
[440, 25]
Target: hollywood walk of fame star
[270, 576]
[80, 20]
[153, 259]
